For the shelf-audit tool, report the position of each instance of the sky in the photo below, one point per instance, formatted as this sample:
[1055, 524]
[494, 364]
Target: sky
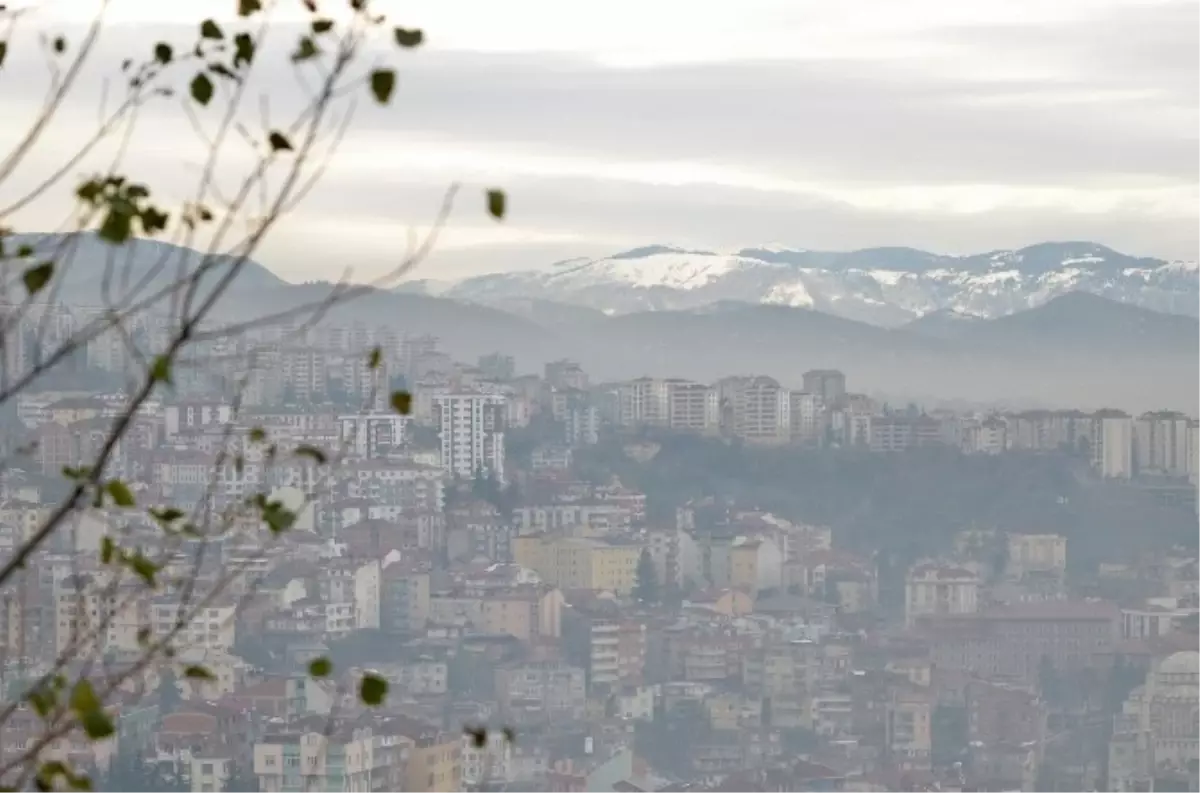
[955, 126]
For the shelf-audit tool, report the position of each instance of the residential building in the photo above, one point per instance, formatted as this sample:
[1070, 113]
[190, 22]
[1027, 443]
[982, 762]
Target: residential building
[1161, 444]
[644, 401]
[1112, 444]
[471, 429]
[935, 589]
[580, 562]
[827, 384]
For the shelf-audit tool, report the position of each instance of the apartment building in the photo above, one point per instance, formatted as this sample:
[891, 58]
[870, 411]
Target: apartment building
[1161, 444]
[351, 756]
[692, 407]
[373, 435]
[936, 589]
[92, 615]
[213, 627]
[829, 385]
[580, 562]
[761, 410]
[1036, 553]
[1112, 444]
[471, 431]
[644, 401]
[806, 416]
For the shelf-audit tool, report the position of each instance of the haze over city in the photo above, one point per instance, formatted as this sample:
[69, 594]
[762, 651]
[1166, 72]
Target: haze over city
[656, 397]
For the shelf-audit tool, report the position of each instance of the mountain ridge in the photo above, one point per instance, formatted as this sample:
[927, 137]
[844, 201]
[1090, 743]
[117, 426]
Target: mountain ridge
[884, 286]
[1073, 350]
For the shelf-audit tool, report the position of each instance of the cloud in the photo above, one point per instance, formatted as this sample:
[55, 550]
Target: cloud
[961, 127]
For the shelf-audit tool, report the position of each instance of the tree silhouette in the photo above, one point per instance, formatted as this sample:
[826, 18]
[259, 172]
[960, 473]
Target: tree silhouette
[646, 590]
[169, 697]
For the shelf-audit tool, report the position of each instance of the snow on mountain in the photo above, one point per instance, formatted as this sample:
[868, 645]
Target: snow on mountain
[658, 266]
[884, 286]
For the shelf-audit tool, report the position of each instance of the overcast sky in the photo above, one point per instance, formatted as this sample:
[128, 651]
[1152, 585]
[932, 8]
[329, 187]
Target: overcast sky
[951, 125]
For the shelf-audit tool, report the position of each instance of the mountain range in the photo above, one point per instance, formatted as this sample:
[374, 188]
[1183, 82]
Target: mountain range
[883, 286]
[1074, 349]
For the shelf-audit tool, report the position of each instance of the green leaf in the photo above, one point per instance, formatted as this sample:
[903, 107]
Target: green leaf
[402, 402]
[97, 725]
[89, 191]
[248, 7]
[48, 774]
[163, 52]
[372, 690]
[24, 251]
[165, 514]
[120, 493]
[257, 435]
[153, 220]
[108, 549]
[409, 37]
[76, 474]
[312, 452]
[202, 89]
[322, 25]
[375, 358]
[83, 698]
[37, 277]
[383, 83]
[277, 517]
[243, 50]
[198, 673]
[43, 701]
[497, 203]
[279, 142]
[320, 667]
[306, 49]
[142, 567]
[478, 736]
[3, 51]
[210, 30]
[117, 226]
[221, 70]
[160, 370]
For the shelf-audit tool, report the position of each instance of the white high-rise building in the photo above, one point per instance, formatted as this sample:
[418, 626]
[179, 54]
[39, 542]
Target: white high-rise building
[373, 434]
[762, 411]
[471, 429]
[1112, 444]
[692, 406]
[644, 401]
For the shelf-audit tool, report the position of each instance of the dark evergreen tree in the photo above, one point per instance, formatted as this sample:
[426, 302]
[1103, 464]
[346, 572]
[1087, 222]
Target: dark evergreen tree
[1049, 683]
[646, 588]
[169, 696]
[242, 778]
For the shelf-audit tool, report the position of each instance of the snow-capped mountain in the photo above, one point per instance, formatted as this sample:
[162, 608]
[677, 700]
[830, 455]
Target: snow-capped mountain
[884, 286]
